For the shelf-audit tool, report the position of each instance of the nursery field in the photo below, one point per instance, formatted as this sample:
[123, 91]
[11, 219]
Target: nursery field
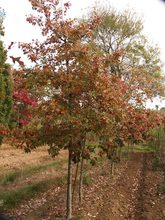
[77, 97]
[33, 187]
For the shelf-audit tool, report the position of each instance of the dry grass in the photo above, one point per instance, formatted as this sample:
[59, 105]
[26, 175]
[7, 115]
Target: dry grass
[12, 159]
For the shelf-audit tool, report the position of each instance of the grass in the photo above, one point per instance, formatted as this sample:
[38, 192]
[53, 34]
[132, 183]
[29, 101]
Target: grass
[12, 198]
[93, 145]
[60, 181]
[29, 171]
[145, 149]
[162, 188]
[138, 148]
[87, 180]
[158, 164]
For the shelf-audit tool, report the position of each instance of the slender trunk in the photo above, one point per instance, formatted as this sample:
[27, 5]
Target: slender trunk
[81, 172]
[75, 180]
[112, 167]
[127, 151]
[69, 185]
[113, 162]
[81, 180]
[119, 154]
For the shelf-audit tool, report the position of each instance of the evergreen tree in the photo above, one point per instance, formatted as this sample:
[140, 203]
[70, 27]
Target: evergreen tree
[5, 85]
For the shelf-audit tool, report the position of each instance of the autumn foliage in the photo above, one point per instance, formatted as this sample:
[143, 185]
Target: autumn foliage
[71, 90]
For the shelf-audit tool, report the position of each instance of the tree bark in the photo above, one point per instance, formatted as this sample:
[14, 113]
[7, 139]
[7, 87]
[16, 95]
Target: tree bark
[81, 172]
[69, 185]
[112, 167]
[75, 180]
[81, 180]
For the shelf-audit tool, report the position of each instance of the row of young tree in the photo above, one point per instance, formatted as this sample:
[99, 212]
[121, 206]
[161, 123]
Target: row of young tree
[89, 76]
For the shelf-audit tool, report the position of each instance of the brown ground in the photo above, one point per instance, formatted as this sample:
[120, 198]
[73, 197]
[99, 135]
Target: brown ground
[131, 194]
[13, 159]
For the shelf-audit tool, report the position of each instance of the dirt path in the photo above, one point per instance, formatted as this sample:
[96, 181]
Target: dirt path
[152, 202]
[147, 203]
[118, 204]
[131, 195]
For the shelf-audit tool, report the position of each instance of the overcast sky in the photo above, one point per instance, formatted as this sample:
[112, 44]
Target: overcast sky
[152, 11]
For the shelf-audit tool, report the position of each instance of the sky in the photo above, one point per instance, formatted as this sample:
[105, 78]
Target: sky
[151, 11]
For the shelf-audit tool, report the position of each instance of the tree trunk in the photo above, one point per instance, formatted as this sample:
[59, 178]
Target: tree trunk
[69, 185]
[118, 154]
[75, 180]
[112, 171]
[81, 172]
[81, 180]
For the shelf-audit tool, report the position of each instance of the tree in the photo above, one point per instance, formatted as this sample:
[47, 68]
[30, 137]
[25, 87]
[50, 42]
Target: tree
[5, 87]
[139, 63]
[74, 93]
[137, 67]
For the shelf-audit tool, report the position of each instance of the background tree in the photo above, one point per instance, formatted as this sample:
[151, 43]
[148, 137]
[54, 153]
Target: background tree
[137, 66]
[5, 86]
[121, 33]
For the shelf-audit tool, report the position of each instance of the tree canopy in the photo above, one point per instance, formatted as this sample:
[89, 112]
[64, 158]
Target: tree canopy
[121, 33]
[87, 76]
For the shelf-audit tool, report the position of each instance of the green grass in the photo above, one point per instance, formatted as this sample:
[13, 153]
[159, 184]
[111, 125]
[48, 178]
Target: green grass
[145, 149]
[11, 199]
[93, 145]
[87, 180]
[29, 171]
[157, 164]
[138, 148]
[162, 188]
[60, 181]
[9, 178]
